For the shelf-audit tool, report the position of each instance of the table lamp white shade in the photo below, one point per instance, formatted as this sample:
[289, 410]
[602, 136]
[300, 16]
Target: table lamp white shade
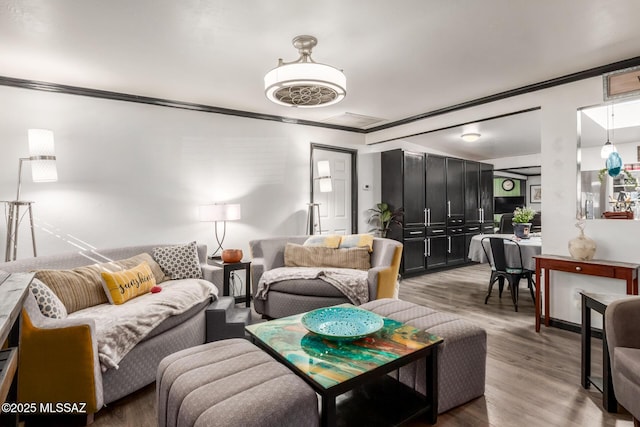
[42, 155]
[223, 212]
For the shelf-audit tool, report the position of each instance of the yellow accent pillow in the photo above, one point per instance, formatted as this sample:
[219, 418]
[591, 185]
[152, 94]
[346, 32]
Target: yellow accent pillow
[332, 241]
[357, 241]
[121, 286]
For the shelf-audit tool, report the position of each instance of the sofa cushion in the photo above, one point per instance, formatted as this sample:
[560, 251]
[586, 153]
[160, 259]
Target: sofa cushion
[121, 286]
[332, 241]
[316, 256]
[357, 241]
[310, 287]
[128, 263]
[78, 288]
[49, 304]
[179, 261]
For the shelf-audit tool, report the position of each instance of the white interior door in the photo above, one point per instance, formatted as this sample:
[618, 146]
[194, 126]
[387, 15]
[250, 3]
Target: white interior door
[335, 206]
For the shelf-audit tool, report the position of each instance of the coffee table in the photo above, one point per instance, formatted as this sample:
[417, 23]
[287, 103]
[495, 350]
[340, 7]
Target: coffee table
[350, 376]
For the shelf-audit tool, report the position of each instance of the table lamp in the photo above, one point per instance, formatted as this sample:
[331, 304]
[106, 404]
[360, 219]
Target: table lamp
[219, 213]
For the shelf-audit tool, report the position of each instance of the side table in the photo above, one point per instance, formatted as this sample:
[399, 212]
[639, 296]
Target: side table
[227, 268]
[599, 303]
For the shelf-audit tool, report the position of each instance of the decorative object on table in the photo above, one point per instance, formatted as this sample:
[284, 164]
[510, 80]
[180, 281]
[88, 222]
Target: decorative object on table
[305, 83]
[232, 255]
[43, 169]
[219, 213]
[618, 215]
[535, 194]
[342, 323]
[582, 248]
[383, 217]
[522, 218]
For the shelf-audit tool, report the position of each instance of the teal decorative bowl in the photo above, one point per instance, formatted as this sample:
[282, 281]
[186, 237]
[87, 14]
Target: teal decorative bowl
[342, 323]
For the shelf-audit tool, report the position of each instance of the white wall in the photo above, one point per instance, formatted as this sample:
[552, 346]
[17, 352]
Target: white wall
[133, 173]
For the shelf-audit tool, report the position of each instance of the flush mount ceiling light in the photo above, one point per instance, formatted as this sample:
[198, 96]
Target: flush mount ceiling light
[305, 83]
[470, 137]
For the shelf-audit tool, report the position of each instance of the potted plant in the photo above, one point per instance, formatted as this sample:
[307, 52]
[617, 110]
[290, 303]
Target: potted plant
[383, 217]
[522, 218]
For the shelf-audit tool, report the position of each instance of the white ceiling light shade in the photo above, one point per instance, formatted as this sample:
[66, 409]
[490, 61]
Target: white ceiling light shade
[305, 83]
[470, 137]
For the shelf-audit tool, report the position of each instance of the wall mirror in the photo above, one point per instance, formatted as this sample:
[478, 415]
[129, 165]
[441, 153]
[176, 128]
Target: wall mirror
[609, 184]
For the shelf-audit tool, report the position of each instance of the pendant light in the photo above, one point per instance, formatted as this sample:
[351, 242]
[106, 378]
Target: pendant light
[608, 147]
[305, 83]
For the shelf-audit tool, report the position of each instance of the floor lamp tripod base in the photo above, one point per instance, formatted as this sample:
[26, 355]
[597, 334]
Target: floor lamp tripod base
[13, 224]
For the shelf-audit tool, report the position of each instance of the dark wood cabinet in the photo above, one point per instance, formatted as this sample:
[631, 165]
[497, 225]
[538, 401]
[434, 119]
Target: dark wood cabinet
[403, 186]
[472, 209]
[486, 197]
[445, 200]
[455, 191]
[436, 188]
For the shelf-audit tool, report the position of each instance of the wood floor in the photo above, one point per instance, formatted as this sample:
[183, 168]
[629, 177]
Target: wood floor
[533, 379]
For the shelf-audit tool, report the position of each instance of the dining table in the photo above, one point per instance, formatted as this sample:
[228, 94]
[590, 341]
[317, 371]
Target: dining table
[529, 248]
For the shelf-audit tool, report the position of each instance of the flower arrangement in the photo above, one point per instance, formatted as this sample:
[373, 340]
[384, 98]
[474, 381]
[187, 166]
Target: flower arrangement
[523, 215]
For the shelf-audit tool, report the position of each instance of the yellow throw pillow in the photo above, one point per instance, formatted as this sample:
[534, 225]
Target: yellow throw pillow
[332, 241]
[121, 286]
[357, 241]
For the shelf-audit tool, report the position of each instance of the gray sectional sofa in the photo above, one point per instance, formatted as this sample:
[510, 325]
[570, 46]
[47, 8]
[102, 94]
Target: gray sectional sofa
[66, 377]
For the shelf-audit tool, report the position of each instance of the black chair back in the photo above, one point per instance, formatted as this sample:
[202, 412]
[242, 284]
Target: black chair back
[506, 223]
[498, 257]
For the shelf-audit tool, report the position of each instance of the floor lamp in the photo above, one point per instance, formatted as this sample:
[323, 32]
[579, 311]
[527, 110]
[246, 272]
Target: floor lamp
[324, 182]
[219, 213]
[43, 169]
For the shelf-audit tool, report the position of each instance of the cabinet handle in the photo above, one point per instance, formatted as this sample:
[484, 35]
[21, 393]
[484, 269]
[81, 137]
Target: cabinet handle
[428, 247]
[428, 216]
[437, 231]
[449, 208]
[578, 268]
[426, 250]
[481, 214]
[425, 216]
[415, 232]
[474, 228]
[449, 239]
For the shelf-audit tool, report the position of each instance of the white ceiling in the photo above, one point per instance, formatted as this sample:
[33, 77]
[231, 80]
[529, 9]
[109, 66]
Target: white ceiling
[400, 58]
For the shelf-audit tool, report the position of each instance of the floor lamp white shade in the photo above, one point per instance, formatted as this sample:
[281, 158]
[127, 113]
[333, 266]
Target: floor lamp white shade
[42, 155]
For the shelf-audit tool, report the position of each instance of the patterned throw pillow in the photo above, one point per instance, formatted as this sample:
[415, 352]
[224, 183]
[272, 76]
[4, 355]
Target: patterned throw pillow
[332, 241]
[48, 302]
[180, 261]
[357, 241]
[121, 286]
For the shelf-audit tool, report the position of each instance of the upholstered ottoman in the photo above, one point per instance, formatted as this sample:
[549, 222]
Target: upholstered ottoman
[231, 383]
[461, 357]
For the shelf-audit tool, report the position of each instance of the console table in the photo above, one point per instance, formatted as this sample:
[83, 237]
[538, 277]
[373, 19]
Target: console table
[597, 267]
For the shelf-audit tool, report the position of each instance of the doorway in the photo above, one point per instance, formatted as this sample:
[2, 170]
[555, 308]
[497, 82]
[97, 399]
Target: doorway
[334, 211]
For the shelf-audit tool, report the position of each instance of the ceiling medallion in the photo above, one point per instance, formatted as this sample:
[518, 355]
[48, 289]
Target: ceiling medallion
[303, 82]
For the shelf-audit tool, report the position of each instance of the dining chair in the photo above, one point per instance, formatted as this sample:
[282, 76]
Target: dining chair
[506, 224]
[503, 269]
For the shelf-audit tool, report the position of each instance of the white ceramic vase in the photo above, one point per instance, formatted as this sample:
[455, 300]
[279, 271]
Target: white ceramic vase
[582, 248]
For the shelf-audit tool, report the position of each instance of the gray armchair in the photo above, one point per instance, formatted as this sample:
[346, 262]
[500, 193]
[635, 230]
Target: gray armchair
[290, 297]
[622, 326]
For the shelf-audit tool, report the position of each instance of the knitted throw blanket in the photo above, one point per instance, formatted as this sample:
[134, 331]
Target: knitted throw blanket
[120, 327]
[352, 283]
